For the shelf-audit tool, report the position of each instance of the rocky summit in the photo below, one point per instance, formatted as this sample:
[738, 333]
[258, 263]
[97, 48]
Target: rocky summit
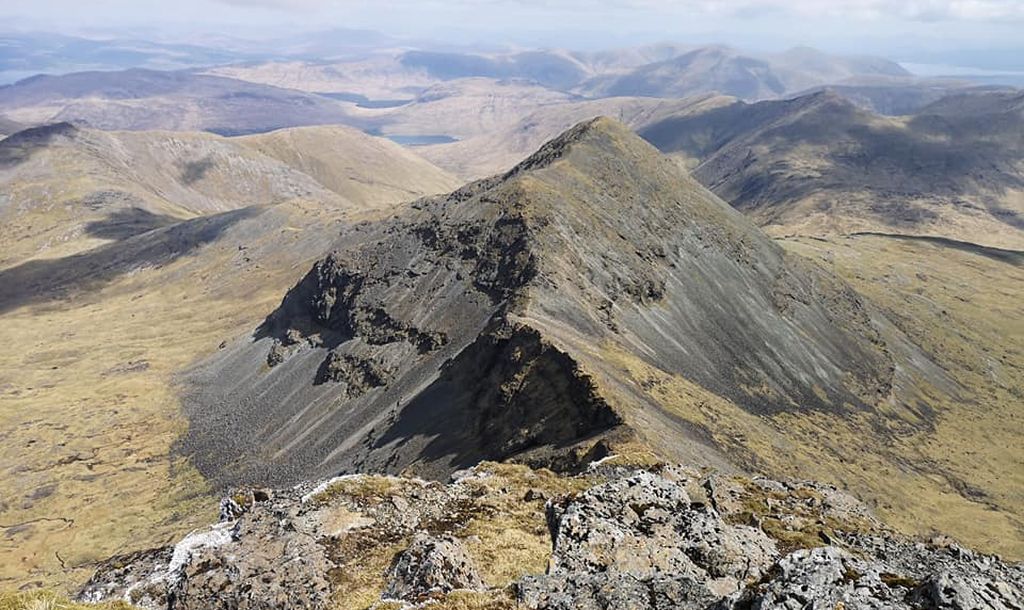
[529, 316]
[617, 537]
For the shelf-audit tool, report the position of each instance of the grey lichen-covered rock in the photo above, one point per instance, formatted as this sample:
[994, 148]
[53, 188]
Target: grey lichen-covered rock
[263, 565]
[948, 591]
[640, 542]
[262, 557]
[829, 577]
[431, 565]
[822, 578]
[662, 538]
[141, 578]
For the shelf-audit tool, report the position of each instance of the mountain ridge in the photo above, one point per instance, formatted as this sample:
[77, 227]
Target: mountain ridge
[819, 165]
[538, 258]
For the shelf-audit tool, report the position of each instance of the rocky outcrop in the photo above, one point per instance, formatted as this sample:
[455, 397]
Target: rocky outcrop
[358, 374]
[261, 556]
[658, 538]
[642, 538]
[641, 542]
[830, 577]
[335, 303]
[432, 565]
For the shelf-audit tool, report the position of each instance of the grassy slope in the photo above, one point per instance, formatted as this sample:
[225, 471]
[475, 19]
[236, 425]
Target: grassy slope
[73, 190]
[48, 600]
[90, 415]
[88, 405]
[966, 309]
[952, 466]
[818, 165]
[373, 171]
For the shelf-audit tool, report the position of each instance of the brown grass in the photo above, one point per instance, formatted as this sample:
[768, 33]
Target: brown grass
[48, 600]
[86, 466]
[512, 537]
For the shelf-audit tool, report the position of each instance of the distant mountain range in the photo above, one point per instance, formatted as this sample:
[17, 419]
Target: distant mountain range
[954, 168]
[818, 164]
[139, 99]
[24, 54]
[729, 72]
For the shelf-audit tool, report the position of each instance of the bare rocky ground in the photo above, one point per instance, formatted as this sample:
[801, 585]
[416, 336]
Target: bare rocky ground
[616, 537]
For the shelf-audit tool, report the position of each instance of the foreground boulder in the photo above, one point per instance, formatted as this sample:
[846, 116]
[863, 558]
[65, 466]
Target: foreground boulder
[641, 537]
[616, 537]
[261, 559]
[431, 565]
[913, 577]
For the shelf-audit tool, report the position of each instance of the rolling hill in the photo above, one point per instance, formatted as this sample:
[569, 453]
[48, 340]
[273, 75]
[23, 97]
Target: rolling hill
[378, 77]
[461, 109]
[7, 126]
[139, 99]
[373, 171]
[900, 97]
[500, 150]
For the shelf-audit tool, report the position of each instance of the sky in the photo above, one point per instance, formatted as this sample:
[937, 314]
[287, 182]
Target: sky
[955, 32]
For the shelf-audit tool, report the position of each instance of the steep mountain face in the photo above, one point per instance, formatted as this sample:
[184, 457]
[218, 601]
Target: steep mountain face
[140, 99]
[818, 165]
[595, 299]
[497, 321]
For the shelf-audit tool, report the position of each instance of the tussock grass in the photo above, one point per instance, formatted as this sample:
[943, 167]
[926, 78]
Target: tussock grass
[49, 600]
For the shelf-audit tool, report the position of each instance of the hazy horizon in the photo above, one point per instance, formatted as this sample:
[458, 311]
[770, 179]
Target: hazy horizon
[978, 33]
